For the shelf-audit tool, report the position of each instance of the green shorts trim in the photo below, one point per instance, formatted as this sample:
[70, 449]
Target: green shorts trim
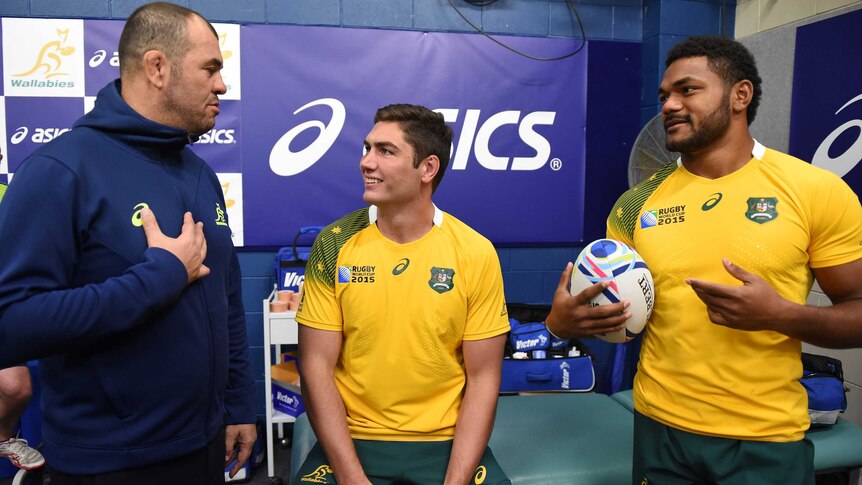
[400, 463]
[664, 455]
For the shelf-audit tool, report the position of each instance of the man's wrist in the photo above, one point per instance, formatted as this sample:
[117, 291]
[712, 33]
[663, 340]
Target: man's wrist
[551, 331]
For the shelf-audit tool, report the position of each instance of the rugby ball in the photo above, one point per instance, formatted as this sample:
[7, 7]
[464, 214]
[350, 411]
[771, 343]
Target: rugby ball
[630, 279]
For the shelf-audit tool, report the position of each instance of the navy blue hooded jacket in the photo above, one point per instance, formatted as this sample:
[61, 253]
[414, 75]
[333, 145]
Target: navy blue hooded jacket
[137, 366]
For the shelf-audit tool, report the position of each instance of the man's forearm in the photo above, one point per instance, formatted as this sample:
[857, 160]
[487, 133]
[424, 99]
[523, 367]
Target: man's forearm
[328, 418]
[475, 422]
[835, 327]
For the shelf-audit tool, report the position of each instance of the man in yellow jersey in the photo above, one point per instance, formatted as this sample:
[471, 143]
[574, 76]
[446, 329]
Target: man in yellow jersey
[402, 325]
[734, 234]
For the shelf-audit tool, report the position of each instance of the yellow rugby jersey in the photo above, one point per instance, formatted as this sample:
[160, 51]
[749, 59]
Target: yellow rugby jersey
[404, 310]
[776, 217]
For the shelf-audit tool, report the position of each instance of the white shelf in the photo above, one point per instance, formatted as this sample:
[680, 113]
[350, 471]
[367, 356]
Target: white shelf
[280, 417]
[282, 329]
[278, 329]
[289, 315]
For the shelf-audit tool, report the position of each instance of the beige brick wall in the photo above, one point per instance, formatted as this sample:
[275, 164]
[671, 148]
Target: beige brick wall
[754, 16]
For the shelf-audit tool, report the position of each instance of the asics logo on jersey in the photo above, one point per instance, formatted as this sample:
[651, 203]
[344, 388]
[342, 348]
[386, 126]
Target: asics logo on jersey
[401, 266]
[479, 476]
[285, 162]
[318, 475]
[711, 202]
[136, 216]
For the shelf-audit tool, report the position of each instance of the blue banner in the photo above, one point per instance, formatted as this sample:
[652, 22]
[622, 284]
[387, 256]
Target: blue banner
[826, 116]
[518, 158]
[287, 145]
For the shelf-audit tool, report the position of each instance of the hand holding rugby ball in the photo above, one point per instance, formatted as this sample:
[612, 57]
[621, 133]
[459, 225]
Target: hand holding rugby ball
[629, 277]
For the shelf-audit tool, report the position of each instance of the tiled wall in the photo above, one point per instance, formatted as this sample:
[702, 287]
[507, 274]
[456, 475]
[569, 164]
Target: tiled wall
[602, 19]
[667, 22]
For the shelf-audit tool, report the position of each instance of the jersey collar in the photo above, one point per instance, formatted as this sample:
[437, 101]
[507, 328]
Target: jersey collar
[757, 152]
[438, 215]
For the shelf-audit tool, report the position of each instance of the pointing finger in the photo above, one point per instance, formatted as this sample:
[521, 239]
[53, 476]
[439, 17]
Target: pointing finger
[736, 271]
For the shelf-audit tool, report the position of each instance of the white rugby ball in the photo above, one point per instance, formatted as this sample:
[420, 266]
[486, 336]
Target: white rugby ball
[630, 279]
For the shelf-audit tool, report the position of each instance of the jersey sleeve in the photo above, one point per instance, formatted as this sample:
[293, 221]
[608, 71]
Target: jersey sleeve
[319, 306]
[486, 308]
[622, 219]
[836, 218]
[626, 212]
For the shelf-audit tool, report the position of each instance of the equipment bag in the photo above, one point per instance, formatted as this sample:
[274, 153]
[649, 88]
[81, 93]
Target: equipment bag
[290, 260]
[535, 360]
[823, 379]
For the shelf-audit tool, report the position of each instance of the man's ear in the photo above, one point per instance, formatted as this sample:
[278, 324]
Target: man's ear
[741, 95]
[429, 166]
[156, 67]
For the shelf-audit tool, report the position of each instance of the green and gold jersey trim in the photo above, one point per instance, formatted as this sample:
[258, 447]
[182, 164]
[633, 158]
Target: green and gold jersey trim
[626, 213]
[321, 262]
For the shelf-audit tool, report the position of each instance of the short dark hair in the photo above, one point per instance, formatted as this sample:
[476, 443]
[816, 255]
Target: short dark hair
[425, 130]
[160, 26]
[727, 58]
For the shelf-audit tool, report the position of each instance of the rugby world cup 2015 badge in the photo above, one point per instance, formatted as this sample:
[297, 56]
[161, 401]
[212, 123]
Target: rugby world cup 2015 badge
[442, 279]
[762, 209]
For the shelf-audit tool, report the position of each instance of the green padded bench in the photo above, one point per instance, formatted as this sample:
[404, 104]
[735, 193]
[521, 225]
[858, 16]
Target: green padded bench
[545, 439]
[836, 448]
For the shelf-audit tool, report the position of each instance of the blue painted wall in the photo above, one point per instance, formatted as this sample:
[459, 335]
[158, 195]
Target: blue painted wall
[665, 23]
[530, 274]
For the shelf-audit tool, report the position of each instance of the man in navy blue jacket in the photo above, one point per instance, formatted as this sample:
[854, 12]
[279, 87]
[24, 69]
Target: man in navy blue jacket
[133, 308]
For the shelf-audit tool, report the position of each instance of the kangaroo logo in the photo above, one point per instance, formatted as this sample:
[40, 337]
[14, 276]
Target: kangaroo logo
[318, 475]
[228, 203]
[49, 57]
[220, 219]
[222, 39]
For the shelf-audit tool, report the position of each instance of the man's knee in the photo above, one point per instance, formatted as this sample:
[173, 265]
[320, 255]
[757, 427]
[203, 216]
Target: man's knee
[15, 385]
